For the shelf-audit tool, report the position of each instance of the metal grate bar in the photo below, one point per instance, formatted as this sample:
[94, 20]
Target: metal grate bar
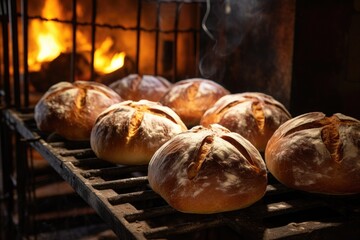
[113, 171]
[78, 153]
[142, 214]
[276, 189]
[297, 229]
[184, 228]
[133, 197]
[150, 213]
[121, 183]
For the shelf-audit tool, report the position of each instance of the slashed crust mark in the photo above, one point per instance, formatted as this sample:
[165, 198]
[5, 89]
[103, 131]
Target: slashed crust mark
[138, 116]
[161, 113]
[192, 90]
[80, 98]
[96, 87]
[329, 134]
[228, 106]
[269, 101]
[135, 82]
[331, 137]
[276, 105]
[258, 113]
[134, 125]
[204, 149]
[242, 150]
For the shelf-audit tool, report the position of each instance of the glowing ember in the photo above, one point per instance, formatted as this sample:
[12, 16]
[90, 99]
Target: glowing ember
[116, 62]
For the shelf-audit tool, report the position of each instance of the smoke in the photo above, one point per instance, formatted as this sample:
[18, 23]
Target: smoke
[227, 23]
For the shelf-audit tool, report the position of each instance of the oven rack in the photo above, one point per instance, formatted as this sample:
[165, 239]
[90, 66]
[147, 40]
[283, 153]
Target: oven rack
[122, 198]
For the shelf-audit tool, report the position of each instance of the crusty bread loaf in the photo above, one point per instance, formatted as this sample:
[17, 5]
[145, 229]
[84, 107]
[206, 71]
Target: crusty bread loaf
[208, 170]
[253, 115]
[70, 109]
[135, 87]
[130, 132]
[315, 153]
[192, 97]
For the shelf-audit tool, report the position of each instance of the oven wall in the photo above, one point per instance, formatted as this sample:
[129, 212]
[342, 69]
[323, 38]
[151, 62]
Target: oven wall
[326, 65]
[252, 46]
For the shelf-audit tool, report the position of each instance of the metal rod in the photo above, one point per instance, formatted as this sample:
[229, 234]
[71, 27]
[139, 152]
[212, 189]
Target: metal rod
[21, 181]
[121, 183]
[15, 52]
[150, 213]
[197, 49]
[24, 13]
[133, 197]
[78, 153]
[161, 232]
[114, 171]
[6, 167]
[158, 7]
[138, 33]
[6, 57]
[176, 28]
[93, 35]
[73, 53]
[111, 26]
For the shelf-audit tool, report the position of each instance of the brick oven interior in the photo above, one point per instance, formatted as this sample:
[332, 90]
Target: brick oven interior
[304, 53]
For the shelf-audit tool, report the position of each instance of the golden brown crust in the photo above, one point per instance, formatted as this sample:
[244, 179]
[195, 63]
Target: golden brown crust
[204, 162]
[253, 115]
[70, 109]
[192, 97]
[316, 153]
[135, 87]
[130, 132]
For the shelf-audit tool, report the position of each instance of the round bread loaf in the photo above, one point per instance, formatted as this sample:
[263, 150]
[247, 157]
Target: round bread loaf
[208, 170]
[315, 153]
[130, 132]
[192, 97]
[253, 115]
[135, 87]
[70, 109]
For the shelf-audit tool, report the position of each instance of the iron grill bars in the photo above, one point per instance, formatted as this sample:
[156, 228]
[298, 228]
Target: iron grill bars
[16, 84]
[122, 197]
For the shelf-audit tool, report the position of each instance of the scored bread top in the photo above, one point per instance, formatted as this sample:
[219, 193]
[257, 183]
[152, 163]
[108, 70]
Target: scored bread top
[135, 87]
[131, 131]
[70, 109]
[203, 162]
[190, 98]
[253, 115]
[320, 153]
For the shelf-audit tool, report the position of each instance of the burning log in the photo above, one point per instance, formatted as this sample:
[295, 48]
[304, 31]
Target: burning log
[59, 69]
[125, 70]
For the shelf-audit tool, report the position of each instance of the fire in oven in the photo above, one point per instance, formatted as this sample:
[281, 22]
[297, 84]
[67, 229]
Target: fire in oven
[179, 119]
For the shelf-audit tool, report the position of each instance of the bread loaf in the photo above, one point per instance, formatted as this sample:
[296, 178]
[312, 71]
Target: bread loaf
[135, 87]
[130, 132]
[208, 170]
[253, 115]
[192, 97]
[70, 109]
[316, 153]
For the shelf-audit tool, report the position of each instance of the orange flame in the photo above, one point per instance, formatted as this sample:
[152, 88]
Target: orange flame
[52, 38]
[103, 63]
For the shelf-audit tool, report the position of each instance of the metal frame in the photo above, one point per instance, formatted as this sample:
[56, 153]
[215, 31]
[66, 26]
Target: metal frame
[121, 196]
